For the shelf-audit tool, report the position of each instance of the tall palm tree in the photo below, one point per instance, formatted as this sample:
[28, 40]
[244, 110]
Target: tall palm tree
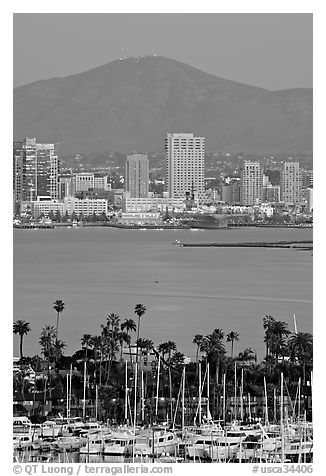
[22, 328]
[301, 349]
[47, 341]
[197, 340]
[59, 306]
[231, 337]
[86, 342]
[129, 325]
[140, 310]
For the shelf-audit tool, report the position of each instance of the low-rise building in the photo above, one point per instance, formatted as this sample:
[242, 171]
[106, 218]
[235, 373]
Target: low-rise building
[152, 204]
[140, 218]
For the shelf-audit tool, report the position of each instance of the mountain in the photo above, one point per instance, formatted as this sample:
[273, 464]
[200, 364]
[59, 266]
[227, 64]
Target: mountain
[128, 105]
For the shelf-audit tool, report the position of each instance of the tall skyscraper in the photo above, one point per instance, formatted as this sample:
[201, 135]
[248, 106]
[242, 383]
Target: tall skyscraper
[36, 169]
[137, 176]
[291, 183]
[251, 183]
[47, 167]
[18, 171]
[185, 155]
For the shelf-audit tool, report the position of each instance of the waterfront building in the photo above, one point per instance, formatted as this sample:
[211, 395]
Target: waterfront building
[230, 193]
[101, 181]
[18, 171]
[271, 193]
[70, 204]
[47, 168]
[84, 181]
[291, 183]
[36, 169]
[140, 218]
[44, 205]
[85, 207]
[185, 156]
[137, 176]
[154, 204]
[307, 178]
[251, 183]
[309, 198]
[66, 186]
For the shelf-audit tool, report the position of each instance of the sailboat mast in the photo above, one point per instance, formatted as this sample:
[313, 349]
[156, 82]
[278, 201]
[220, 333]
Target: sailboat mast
[183, 397]
[241, 395]
[295, 324]
[126, 390]
[96, 401]
[208, 412]
[282, 429]
[135, 398]
[142, 397]
[235, 390]
[266, 404]
[84, 400]
[199, 393]
[157, 384]
[224, 402]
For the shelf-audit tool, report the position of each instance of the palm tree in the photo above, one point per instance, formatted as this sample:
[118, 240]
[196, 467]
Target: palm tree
[129, 325]
[140, 310]
[123, 338]
[86, 342]
[231, 337]
[59, 306]
[22, 328]
[47, 341]
[197, 340]
[301, 349]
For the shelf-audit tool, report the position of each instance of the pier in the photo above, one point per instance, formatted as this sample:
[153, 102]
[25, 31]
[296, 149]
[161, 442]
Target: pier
[299, 244]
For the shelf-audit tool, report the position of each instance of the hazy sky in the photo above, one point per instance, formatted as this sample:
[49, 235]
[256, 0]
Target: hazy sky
[272, 50]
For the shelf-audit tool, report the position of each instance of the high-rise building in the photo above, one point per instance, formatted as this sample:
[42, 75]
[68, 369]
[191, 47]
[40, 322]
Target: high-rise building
[36, 169]
[47, 168]
[271, 193]
[137, 176]
[251, 183]
[291, 183]
[18, 171]
[231, 193]
[84, 181]
[185, 156]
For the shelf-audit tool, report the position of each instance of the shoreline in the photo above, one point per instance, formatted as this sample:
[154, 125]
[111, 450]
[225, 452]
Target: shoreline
[148, 227]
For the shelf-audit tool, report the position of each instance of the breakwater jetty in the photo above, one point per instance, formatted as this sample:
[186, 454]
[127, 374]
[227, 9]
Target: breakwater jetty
[299, 244]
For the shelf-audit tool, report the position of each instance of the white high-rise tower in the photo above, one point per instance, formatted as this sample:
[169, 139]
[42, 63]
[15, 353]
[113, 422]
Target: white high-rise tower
[185, 155]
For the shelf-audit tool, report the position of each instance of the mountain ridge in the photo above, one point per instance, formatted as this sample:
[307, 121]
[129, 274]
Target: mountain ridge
[130, 104]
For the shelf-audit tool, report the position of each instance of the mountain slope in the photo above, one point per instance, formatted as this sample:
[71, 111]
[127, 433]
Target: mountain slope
[129, 105]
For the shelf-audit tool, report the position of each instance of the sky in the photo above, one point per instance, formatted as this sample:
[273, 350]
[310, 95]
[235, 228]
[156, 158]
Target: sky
[269, 50]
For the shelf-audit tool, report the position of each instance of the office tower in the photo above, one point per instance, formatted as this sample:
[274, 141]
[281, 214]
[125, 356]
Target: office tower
[231, 193]
[18, 171]
[35, 170]
[66, 186]
[185, 156]
[137, 176]
[251, 183]
[47, 168]
[29, 169]
[291, 183]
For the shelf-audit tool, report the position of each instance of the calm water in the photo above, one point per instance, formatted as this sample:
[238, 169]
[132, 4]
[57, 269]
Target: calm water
[101, 271]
